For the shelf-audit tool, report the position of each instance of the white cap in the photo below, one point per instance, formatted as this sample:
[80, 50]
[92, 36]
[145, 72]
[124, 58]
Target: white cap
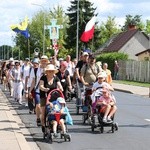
[102, 75]
[61, 100]
[85, 53]
[11, 59]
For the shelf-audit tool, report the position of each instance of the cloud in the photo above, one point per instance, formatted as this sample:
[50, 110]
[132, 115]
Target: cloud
[14, 11]
[105, 6]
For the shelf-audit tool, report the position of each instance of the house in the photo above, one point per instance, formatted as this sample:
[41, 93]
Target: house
[131, 42]
[144, 55]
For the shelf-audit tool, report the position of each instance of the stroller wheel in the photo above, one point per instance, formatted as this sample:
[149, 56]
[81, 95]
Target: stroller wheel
[102, 129]
[67, 137]
[77, 110]
[116, 126]
[92, 127]
[112, 128]
[49, 138]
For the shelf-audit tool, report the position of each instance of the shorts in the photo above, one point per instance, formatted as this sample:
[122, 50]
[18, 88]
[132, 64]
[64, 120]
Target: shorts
[37, 98]
[43, 102]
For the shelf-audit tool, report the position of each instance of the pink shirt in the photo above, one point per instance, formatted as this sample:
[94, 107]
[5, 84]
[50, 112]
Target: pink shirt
[106, 99]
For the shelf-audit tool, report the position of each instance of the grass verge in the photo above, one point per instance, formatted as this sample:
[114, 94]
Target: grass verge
[132, 83]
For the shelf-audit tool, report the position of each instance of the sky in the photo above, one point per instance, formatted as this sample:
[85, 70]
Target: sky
[14, 11]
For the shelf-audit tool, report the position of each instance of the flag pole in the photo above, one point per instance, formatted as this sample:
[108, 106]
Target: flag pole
[77, 40]
[28, 47]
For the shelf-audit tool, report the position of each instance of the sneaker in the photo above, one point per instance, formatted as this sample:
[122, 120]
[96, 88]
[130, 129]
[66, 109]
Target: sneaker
[26, 104]
[30, 111]
[38, 121]
[20, 103]
[109, 120]
[55, 135]
[104, 120]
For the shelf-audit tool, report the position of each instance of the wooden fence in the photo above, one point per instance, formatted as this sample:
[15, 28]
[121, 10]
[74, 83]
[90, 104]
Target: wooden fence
[134, 70]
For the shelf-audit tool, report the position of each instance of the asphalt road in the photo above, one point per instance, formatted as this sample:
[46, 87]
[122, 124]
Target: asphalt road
[133, 117]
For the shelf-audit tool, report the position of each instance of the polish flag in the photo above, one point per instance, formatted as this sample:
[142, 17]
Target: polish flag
[89, 30]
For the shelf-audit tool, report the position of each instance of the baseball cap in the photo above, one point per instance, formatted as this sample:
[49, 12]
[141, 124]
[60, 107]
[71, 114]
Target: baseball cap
[102, 75]
[11, 59]
[85, 53]
[27, 59]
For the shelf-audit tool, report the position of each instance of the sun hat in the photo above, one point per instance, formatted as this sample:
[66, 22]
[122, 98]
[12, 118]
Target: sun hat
[64, 63]
[51, 67]
[85, 54]
[61, 100]
[35, 60]
[102, 75]
[44, 57]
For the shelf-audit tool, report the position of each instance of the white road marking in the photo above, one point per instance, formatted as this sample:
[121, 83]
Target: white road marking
[147, 119]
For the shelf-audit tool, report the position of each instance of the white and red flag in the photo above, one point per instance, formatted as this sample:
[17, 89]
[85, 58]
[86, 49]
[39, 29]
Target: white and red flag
[89, 30]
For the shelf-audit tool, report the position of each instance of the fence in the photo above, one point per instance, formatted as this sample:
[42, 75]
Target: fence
[134, 70]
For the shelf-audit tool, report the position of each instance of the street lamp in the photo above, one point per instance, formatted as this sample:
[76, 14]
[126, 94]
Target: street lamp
[43, 27]
[77, 40]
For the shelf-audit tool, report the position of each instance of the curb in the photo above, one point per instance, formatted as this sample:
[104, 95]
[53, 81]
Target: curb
[17, 132]
[125, 91]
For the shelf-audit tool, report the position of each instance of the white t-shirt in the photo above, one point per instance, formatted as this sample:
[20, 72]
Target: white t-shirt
[39, 73]
[97, 85]
[70, 68]
[25, 71]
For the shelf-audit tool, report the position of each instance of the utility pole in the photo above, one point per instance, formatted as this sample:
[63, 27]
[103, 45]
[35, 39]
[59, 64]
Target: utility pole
[43, 26]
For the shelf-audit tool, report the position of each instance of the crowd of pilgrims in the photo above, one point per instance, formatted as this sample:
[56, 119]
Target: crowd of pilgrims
[29, 82]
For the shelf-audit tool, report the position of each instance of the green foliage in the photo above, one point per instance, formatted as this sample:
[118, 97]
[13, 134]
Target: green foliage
[108, 29]
[86, 12]
[133, 21]
[147, 29]
[110, 59]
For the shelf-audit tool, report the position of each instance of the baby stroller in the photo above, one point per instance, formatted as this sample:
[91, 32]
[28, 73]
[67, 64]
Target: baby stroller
[87, 105]
[52, 96]
[101, 124]
[97, 113]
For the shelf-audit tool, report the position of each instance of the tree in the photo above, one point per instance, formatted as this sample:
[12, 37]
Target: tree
[86, 12]
[108, 29]
[133, 22]
[36, 33]
[147, 27]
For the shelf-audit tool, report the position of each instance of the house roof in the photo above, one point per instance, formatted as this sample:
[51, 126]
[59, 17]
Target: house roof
[147, 50]
[120, 40]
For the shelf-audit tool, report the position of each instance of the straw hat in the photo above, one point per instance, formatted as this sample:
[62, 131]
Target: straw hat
[51, 67]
